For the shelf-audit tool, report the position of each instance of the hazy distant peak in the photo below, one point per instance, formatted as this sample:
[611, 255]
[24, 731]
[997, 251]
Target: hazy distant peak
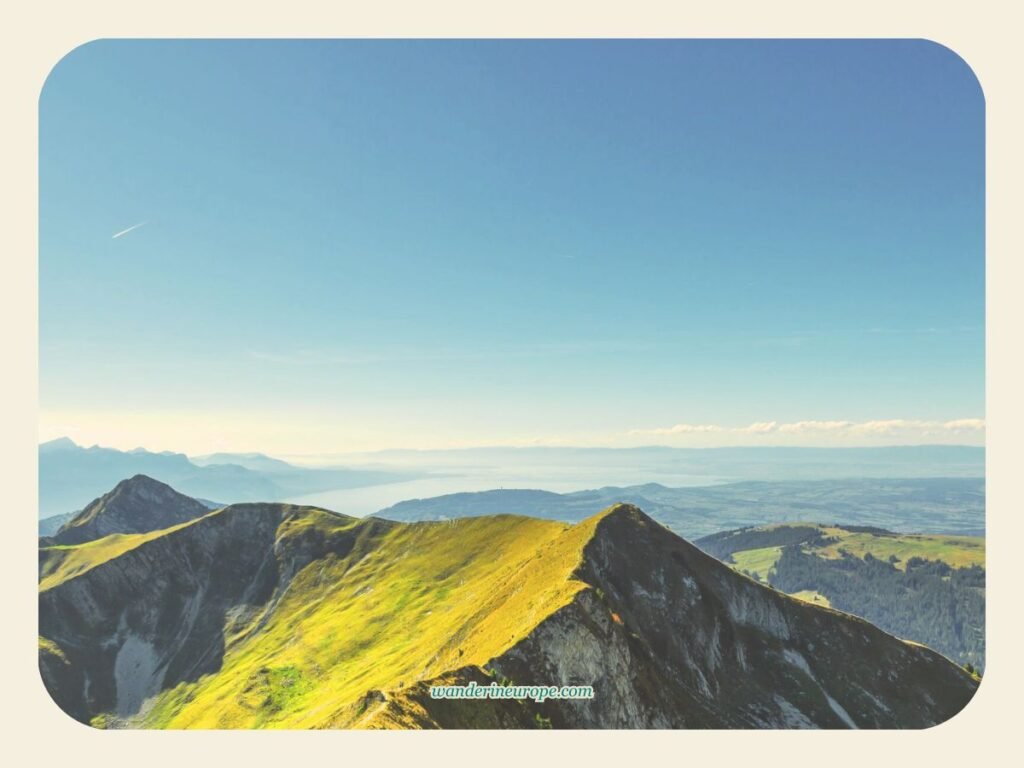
[59, 444]
[258, 462]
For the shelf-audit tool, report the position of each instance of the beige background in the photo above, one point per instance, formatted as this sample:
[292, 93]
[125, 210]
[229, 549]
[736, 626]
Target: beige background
[984, 34]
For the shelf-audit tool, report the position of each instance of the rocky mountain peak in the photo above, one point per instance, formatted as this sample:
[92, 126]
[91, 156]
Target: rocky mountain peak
[137, 505]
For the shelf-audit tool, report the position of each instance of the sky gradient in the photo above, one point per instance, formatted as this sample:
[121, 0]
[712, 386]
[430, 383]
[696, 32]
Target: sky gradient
[315, 246]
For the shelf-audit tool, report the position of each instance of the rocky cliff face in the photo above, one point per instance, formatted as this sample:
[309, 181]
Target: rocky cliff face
[137, 505]
[156, 615]
[671, 638]
[161, 613]
[667, 636]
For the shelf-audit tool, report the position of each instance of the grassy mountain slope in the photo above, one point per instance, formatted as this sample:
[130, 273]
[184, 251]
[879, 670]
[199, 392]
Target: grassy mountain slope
[758, 549]
[60, 562]
[439, 607]
[268, 615]
[956, 551]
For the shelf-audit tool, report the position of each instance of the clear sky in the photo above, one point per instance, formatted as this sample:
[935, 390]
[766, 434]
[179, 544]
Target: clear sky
[312, 246]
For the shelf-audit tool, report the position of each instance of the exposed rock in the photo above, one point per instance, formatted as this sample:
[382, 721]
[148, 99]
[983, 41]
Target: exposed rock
[701, 646]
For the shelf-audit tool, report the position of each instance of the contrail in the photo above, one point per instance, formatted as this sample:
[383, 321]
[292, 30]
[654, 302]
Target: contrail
[126, 231]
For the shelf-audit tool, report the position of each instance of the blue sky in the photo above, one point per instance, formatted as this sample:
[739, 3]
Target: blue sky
[349, 245]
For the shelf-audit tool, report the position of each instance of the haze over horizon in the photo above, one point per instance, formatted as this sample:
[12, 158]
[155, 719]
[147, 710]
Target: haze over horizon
[314, 459]
[317, 247]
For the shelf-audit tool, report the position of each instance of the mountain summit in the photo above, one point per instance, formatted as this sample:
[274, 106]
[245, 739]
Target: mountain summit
[272, 615]
[137, 505]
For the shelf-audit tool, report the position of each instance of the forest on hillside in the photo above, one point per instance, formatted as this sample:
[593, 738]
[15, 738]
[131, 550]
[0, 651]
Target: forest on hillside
[927, 601]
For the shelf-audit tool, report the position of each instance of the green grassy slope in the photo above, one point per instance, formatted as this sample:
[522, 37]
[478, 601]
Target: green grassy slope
[756, 562]
[748, 548]
[440, 607]
[955, 551]
[61, 562]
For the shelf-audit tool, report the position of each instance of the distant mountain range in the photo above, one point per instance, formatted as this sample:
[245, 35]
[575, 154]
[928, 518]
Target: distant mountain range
[71, 476]
[939, 505]
[275, 615]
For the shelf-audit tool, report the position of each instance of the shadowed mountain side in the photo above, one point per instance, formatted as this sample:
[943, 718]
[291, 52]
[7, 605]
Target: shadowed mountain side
[158, 611]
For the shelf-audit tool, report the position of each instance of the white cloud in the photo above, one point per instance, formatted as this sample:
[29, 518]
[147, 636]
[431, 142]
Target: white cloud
[678, 429]
[965, 425]
[802, 427]
[886, 426]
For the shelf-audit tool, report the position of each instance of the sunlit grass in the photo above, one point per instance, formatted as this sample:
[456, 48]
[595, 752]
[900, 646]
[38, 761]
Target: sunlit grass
[810, 596]
[955, 551]
[425, 599]
[62, 562]
[757, 561]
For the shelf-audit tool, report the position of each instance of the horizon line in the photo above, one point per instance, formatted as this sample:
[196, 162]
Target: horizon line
[499, 446]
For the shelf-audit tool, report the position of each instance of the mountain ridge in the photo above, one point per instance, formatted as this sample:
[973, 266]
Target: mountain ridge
[271, 615]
